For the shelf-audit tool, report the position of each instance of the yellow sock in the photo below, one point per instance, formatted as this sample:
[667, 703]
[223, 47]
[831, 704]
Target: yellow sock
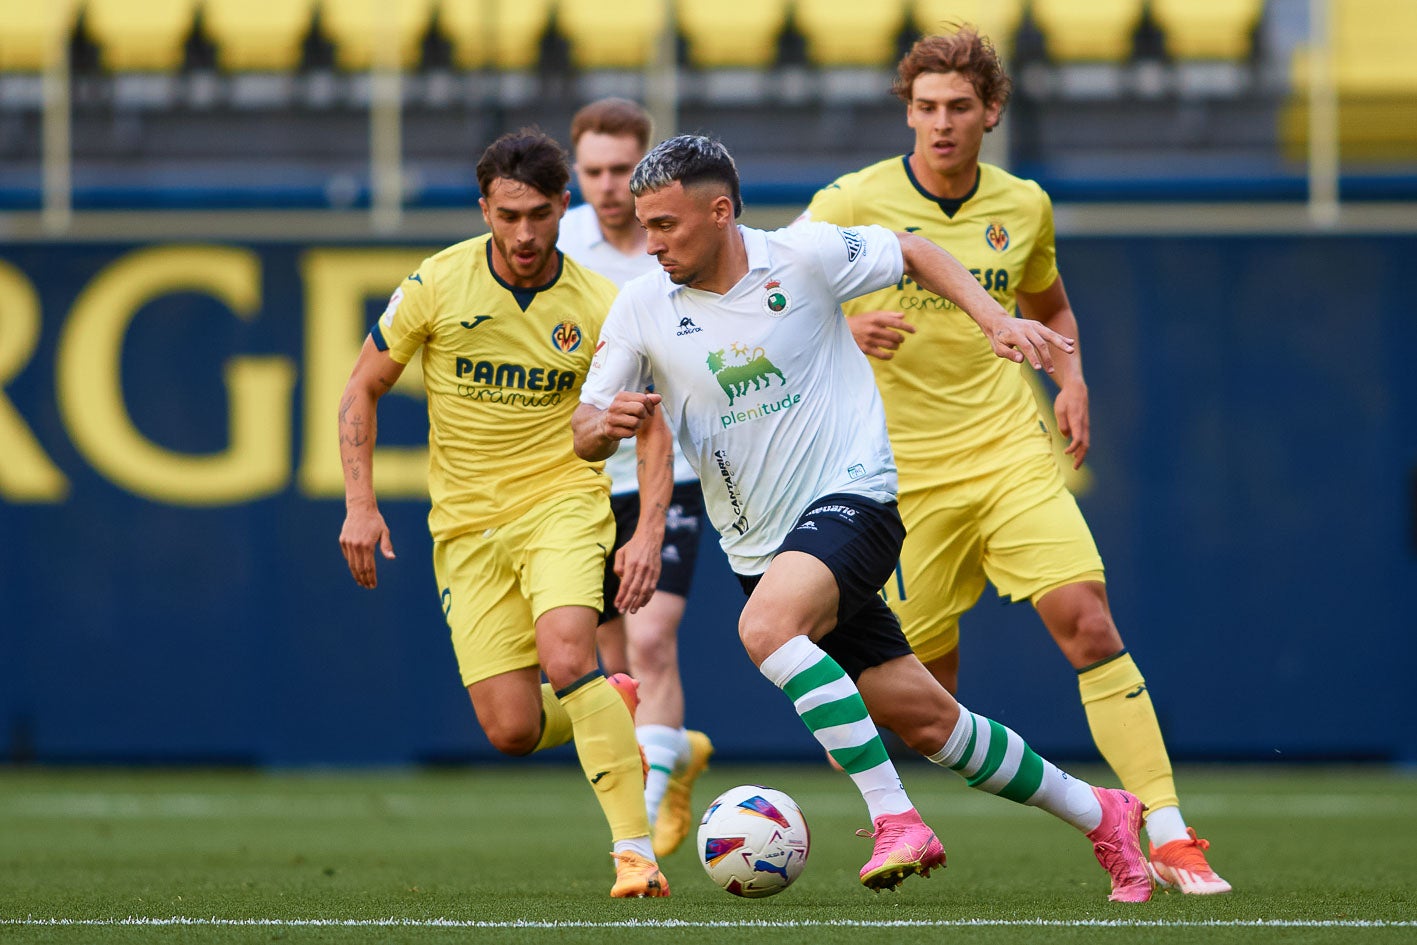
[609, 754]
[555, 723]
[1125, 730]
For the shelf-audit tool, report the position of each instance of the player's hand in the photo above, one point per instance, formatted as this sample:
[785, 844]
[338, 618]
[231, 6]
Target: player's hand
[1023, 338]
[1071, 412]
[629, 409]
[363, 531]
[637, 565]
[878, 334]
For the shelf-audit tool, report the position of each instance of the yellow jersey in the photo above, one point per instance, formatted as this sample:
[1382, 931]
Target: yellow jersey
[503, 368]
[947, 396]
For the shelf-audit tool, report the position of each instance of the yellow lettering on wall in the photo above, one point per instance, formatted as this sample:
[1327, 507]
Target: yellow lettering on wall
[256, 462]
[26, 473]
[338, 283]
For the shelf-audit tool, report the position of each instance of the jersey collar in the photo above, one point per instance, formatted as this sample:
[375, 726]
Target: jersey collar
[949, 205]
[525, 296]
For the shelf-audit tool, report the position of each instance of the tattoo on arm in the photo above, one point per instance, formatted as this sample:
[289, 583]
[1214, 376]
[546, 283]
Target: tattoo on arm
[351, 427]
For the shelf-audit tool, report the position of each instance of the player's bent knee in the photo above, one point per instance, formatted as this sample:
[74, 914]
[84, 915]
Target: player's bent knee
[762, 639]
[1095, 638]
[567, 670]
[514, 740]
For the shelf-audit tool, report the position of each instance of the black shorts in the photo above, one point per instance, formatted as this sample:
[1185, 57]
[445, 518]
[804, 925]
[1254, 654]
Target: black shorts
[859, 541]
[681, 541]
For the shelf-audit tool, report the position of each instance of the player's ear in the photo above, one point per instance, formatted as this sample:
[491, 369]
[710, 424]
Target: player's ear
[722, 210]
[991, 116]
[565, 200]
[486, 218]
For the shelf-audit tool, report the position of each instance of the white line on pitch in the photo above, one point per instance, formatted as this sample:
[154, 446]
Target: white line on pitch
[728, 924]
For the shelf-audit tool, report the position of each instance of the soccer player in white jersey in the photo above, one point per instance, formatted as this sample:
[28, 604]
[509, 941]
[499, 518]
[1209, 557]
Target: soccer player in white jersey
[608, 137]
[776, 408]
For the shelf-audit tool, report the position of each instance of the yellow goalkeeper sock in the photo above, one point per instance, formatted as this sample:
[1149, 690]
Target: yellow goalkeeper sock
[555, 723]
[609, 754]
[1125, 730]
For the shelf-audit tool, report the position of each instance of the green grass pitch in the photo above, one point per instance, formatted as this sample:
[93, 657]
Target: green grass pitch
[518, 853]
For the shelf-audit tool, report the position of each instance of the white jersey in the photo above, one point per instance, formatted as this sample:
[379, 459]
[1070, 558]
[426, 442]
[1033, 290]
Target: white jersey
[774, 404]
[582, 240]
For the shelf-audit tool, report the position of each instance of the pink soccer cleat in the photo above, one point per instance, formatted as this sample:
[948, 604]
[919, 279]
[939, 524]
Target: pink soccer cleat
[904, 846]
[1117, 846]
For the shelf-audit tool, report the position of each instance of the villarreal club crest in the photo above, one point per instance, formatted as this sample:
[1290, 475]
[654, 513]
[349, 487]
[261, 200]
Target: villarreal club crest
[566, 337]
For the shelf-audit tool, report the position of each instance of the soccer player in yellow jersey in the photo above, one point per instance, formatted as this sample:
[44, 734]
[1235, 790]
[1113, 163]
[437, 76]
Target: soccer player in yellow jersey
[521, 526]
[980, 492]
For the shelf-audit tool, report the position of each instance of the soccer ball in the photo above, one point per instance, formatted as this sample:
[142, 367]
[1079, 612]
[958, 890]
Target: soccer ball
[754, 841]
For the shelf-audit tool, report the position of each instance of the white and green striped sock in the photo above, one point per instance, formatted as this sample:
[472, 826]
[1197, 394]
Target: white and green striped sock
[830, 706]
[994, 759]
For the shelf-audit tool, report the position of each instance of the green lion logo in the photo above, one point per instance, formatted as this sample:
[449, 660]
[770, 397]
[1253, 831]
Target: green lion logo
[734, 378]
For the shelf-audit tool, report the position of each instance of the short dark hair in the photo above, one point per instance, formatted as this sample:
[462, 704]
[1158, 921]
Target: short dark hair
[529, 156]
[612, 116]
[964, 51]
[689, 159]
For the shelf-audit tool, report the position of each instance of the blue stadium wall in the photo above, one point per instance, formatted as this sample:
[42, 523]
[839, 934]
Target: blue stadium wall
[171, 588]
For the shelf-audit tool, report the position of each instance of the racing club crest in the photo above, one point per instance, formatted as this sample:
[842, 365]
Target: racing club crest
[566, 337]
[776, 301]
[996, 236]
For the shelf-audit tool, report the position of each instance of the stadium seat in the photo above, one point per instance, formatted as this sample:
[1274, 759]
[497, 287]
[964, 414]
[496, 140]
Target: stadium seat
[505, 34]
[1208, 29]
[996, 19]
[850, 32]
[1372, 49]
[732, 33]
[611, 34]
[1375, 73]
[31, 32]
[356, 26]
[1088, 30]
[258, 35]
[140, 35]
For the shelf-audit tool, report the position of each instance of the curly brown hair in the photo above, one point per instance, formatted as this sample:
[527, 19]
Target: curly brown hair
[964, 51]
[530, 157]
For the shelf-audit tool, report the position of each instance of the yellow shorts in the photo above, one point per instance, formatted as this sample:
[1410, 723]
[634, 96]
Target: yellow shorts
[497, 582]
[1017, 526]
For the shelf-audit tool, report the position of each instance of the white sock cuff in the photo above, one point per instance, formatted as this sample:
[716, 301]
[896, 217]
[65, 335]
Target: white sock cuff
[955, 745]
[663, 734]
[790, 659]
[664, 745]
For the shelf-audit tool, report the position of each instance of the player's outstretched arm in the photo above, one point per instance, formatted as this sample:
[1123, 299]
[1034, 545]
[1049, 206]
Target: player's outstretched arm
[1070, 408]
[364, 529]
[1013, 338]
[638, 562]
[598, 433]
